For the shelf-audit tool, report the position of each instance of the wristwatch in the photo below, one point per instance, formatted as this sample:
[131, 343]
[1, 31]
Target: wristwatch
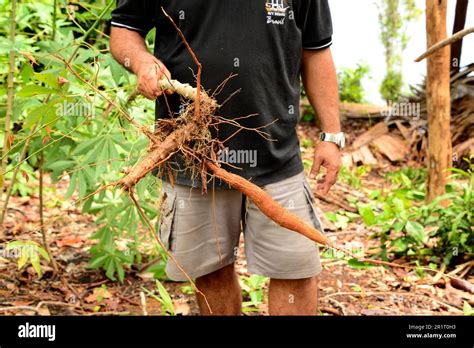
[338, 138]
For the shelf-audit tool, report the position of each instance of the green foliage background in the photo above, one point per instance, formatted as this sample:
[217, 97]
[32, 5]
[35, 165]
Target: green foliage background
[80, 134]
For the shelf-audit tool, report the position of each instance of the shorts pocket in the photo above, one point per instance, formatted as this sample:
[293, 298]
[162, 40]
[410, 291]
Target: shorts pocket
[168, 220]
[311, 202]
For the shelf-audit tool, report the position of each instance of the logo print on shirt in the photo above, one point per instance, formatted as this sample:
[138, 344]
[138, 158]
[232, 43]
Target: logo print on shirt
[276, 11]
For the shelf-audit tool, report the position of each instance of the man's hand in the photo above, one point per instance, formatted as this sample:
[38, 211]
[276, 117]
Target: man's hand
[149, 71]
[130, 50]
[327, 155]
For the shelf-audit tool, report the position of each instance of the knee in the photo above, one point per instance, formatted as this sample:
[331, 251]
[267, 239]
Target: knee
[224, 274]
[295, 283]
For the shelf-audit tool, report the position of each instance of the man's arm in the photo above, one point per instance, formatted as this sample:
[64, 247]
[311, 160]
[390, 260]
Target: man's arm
[320, 82]
[129, 49]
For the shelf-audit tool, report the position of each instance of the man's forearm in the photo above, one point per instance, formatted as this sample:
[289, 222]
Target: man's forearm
[129, 48]
[320, 82]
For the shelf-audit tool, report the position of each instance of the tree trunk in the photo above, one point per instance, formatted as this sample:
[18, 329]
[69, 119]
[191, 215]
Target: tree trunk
[438, 100]
[459, 23]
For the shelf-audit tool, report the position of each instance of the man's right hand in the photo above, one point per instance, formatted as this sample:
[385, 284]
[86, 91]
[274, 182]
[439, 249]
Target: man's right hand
[130, 50]
[149, 71]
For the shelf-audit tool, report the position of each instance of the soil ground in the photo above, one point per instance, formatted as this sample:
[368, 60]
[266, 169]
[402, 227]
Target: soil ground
[77, 290]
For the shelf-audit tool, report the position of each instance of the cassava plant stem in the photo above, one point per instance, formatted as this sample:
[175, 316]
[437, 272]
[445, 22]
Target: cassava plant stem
[15, 174]
[10, 97]
[41, 211]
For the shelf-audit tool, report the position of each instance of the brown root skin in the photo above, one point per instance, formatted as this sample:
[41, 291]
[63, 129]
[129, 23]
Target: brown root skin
[157, 155]
[269, 206]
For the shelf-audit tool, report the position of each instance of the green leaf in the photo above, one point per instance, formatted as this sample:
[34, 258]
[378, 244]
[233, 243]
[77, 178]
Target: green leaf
[400, 244]
[467, 309]
[72, 186]
[26, 72]
[342, 222]
[331, 216]
[15, 244]
[23, 259]
[110, 268]
[358, 264]
[82, 184]
[35, 115]
[120, 270]
[256, 298]
[85, 146]
[367, 214]
[61, 165]
[33, 90]
[97, 262]
[43, 253]
[49, 79]
[415, 230]
[34, 259]
[166, 298]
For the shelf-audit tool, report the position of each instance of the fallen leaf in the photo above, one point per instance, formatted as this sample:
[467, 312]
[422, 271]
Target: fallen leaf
[44, 311]
[96, 293]
[71, 241]
[181, 307]
[111, 304]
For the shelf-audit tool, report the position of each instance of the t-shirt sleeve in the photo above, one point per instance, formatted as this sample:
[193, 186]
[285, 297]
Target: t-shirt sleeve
[316, 24]
[136, 15]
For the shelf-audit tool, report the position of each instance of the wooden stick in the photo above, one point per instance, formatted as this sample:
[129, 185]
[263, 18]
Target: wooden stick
[458, 36]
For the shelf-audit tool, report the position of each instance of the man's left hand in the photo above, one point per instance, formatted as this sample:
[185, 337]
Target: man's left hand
[327, 155]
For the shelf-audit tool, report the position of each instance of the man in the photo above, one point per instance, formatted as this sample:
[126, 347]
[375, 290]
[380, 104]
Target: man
[268, 44]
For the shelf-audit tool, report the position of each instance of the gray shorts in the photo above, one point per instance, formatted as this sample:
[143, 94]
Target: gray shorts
[202, 231]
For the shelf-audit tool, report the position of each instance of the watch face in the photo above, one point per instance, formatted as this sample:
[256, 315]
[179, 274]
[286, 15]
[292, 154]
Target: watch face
[338, 139]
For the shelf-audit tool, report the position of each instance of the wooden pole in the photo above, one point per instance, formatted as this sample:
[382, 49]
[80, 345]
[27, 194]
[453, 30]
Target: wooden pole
[459, 23]
[438, 100]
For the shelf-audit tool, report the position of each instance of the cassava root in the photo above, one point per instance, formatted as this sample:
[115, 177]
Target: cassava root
[185, 90]
[268, 206]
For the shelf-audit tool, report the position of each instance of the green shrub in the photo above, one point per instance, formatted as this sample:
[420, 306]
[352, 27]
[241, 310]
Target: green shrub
[440, 232]
[350, 83]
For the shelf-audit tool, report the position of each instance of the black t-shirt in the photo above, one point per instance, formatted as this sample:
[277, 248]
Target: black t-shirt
[262, 42]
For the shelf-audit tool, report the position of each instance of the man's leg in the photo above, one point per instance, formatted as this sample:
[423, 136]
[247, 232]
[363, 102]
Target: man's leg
[222, 291]
[288, 258]
[293, 297]
[202, 233]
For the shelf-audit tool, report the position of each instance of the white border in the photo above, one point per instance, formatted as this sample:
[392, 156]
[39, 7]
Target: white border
[126, 26]
[319, 47]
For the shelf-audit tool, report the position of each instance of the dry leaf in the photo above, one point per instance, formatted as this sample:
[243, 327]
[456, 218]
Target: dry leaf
[29, 56]
[71, 241]
[181, 307]
[44, 311]
[98, 293]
